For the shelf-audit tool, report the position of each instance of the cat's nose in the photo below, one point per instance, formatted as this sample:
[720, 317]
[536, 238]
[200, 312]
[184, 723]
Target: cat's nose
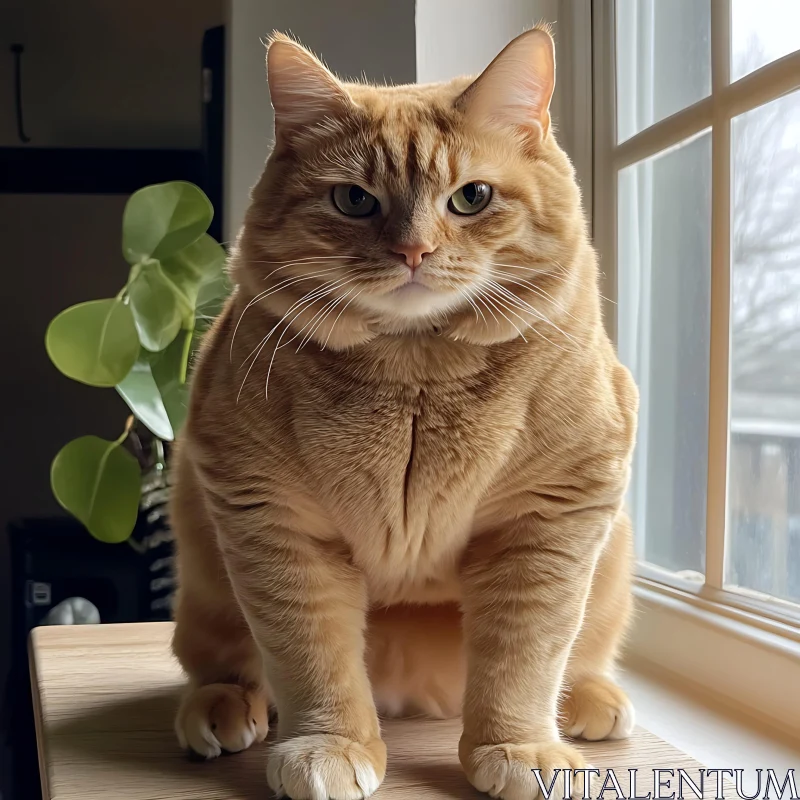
[413, 253]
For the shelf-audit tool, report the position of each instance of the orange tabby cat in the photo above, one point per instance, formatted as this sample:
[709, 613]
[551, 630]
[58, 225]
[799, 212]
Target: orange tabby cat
[401, 480]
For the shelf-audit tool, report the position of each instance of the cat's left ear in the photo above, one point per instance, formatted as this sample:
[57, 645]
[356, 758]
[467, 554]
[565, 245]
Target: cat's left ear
[515, 90]
[302, 89]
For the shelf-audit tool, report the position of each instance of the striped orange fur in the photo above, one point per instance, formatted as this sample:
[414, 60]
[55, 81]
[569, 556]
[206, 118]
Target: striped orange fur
[400, 486]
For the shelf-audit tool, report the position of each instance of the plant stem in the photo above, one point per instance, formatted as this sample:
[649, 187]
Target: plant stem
[128, 425]
[161, 460]
[140, 549]
[187, 349]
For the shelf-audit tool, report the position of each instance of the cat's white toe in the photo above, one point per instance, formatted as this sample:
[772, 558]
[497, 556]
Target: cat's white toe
[220, 717]
[325, 767]
[596, 708]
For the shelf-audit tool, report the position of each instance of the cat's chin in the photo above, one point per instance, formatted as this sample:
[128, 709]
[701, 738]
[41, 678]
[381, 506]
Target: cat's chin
[412, 301]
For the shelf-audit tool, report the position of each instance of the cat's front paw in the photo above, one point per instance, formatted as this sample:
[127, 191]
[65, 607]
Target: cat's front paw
[507, 770]
[221, 718]
[324, 766]
[596, 708]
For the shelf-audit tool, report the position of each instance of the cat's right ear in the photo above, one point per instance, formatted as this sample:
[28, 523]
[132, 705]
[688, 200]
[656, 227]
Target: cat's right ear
[303, 91]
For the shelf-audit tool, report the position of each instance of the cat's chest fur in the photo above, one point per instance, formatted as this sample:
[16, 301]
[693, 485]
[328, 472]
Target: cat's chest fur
[400, 469]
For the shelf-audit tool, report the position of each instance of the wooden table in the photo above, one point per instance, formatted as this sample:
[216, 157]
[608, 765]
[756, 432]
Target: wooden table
[105, 696]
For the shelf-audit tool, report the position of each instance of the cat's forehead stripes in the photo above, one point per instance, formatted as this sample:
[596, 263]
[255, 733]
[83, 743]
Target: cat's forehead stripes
[421, 147]
[406, 148]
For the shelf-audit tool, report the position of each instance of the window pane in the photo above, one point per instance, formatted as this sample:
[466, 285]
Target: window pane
[664, 279]
[761, 31]
[763, 547]
[663, 60]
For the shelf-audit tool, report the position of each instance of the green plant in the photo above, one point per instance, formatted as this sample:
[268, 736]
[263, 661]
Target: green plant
[139, 342]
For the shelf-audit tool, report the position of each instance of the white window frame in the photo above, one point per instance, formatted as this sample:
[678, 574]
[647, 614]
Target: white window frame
[742, 648]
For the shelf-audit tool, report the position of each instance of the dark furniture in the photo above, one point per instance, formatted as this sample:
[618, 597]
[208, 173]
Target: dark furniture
[51, 560]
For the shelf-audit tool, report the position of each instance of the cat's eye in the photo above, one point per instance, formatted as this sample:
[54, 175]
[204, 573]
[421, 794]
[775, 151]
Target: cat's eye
[354, 201]
[470, 198]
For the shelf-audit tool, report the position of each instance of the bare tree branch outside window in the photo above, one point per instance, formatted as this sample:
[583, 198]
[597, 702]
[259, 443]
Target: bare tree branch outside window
[764, 518]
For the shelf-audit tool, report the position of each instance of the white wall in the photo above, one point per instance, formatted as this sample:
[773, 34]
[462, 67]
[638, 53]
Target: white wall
[350, 35]
[461, 37]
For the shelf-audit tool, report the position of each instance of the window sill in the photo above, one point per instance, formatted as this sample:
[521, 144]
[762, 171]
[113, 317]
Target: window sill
[711, 733]
[729, 656]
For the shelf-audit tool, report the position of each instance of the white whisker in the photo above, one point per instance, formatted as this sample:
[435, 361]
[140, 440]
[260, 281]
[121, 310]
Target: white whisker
[306, 259]
[479, 299]
[601, 296]
[520, 303]
[505, 301]
[337, 318]
[325, 311]
[531, 269]
[298, 304]
[509, 298]
[534, 288]
[330, 287]
[474, 308]
[303, 262]
[311, 298]
[257, 353]
[310, 262]
[499, 307]
[290, 279]
[564, 276]
[284, 283]
[272, 360]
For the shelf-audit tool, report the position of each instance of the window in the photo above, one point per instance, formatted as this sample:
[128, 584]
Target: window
[697, 222]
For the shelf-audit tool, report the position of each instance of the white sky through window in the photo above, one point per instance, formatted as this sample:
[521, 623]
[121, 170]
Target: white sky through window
[774, 24]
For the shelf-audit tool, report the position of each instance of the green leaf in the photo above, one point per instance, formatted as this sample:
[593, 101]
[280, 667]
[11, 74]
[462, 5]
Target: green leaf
[162, 219]
[196, 264]
[198, 334]
[99, 482]
[195, 269]
[163, 294]
[169, 375]
[94, 342]
[155, 390]
[211, 297]
[157, 307]
[140, 391]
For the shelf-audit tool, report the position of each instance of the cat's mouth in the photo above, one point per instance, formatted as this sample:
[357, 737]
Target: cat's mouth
[410, 289]
[411, 300]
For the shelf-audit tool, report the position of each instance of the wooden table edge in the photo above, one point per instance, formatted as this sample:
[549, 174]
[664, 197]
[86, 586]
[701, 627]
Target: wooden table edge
[41, 739]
